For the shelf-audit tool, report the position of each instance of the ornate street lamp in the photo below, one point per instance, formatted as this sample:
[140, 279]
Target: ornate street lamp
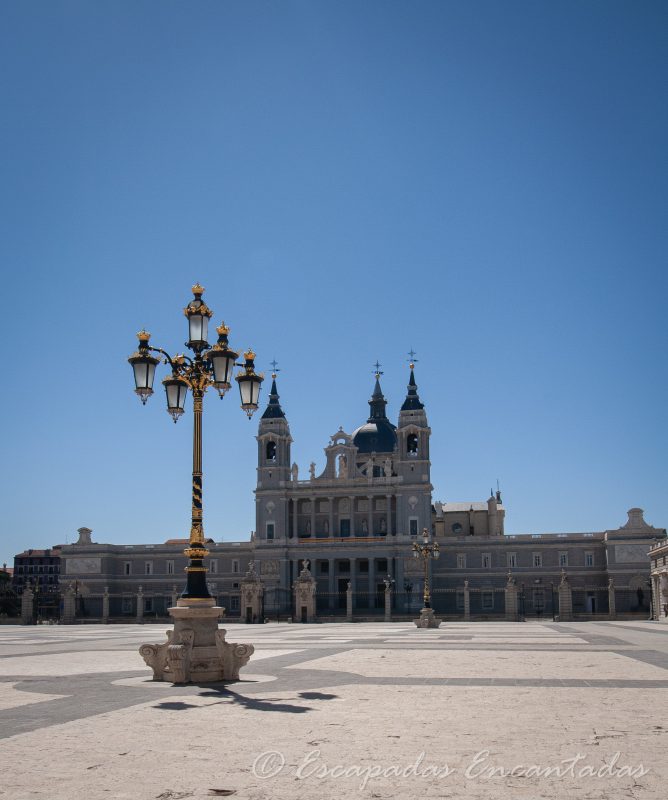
[426, 551]
[210, 366]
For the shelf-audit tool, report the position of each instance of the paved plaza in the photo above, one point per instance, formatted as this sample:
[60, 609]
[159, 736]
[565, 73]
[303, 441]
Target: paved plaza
[493, 710]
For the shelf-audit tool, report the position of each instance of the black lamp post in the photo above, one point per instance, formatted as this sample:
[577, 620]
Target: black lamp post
[426, 552]
[210, 366]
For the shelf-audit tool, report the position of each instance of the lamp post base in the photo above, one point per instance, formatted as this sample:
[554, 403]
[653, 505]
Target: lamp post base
[196, 650]
[427, 619]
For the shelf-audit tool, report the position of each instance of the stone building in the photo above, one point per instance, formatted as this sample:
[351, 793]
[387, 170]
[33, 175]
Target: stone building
[659, 577]
[355, 522]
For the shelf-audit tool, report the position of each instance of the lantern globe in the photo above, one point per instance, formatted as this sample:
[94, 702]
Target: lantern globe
[143, 367]
[176, 390]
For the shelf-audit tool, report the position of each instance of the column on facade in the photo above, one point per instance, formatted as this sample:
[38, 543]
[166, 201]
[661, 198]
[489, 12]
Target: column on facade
[331, 516]
[295, 522]
[467, 601]
[283, 533]
[333, 594]
[372, 581]
[400, 517]
[313, 517]
[353, 527]
[369, 518]
[388, 514]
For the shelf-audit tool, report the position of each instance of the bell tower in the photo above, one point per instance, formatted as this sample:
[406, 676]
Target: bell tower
[273, 469]
[413, 463]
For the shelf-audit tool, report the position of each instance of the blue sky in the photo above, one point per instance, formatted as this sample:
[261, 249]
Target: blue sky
[484, 182]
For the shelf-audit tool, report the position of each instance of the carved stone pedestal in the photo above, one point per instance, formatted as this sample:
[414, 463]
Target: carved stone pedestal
[196, 650]
[427, 619]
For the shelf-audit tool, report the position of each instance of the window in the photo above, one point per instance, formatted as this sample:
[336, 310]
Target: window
[148, 604]
[486, 560]
[270, 530]
[589, 559]
[324, 567]
[538, 559]
[235, 565]
[148, 568]
[457, 529]
[127, 568]
[563, 559]
[170, 567]
[344, 527]
[234, 603]
[213, 566]
[381, 566]
[127, 605]
[461, 560]
[413, 526]
[412, 444]
[363, 566]
[487, 600]
[271, 452]
[511, 559]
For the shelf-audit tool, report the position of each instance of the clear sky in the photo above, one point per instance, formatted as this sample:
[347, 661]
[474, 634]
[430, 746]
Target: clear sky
[484, 182]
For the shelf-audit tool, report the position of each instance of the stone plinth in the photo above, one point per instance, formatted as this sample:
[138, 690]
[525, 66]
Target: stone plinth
[27, 606]
[565, 599]
[196, 650]
[252, 593]
[304, 589]
[511, 600]
[427, 619]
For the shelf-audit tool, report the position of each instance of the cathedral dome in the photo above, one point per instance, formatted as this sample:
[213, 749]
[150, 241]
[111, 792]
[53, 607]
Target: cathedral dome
[377, 435]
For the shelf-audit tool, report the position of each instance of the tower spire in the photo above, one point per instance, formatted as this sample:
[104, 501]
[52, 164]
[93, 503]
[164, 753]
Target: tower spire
[273, 409]
[412, 401]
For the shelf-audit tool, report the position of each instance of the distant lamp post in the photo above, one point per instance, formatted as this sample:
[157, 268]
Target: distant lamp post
[426, 551]
[209, 366]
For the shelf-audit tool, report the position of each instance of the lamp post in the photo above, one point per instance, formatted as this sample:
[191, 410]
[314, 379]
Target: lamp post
[426, 551]
[209, 366]
[196, 650]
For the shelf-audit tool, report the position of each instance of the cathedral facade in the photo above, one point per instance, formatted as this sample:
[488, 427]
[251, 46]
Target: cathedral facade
[354, 524]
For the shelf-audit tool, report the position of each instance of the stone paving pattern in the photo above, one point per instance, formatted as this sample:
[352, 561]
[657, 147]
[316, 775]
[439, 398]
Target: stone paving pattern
[80, 716]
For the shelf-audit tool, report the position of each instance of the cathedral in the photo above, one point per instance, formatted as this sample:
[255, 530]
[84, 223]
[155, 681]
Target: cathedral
[353, 526]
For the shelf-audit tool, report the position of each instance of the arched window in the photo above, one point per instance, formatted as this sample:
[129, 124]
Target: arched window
[271, 451]
[412, 444]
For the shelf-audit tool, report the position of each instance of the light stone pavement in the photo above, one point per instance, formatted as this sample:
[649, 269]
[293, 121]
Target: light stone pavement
[374, 710]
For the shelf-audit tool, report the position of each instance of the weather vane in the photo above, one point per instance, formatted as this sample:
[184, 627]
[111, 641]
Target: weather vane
[412, 360]
[377, 368]
[274, 367]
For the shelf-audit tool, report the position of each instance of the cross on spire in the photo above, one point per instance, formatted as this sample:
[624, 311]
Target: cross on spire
[412, 360]
[274, 367]
[377, 369]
